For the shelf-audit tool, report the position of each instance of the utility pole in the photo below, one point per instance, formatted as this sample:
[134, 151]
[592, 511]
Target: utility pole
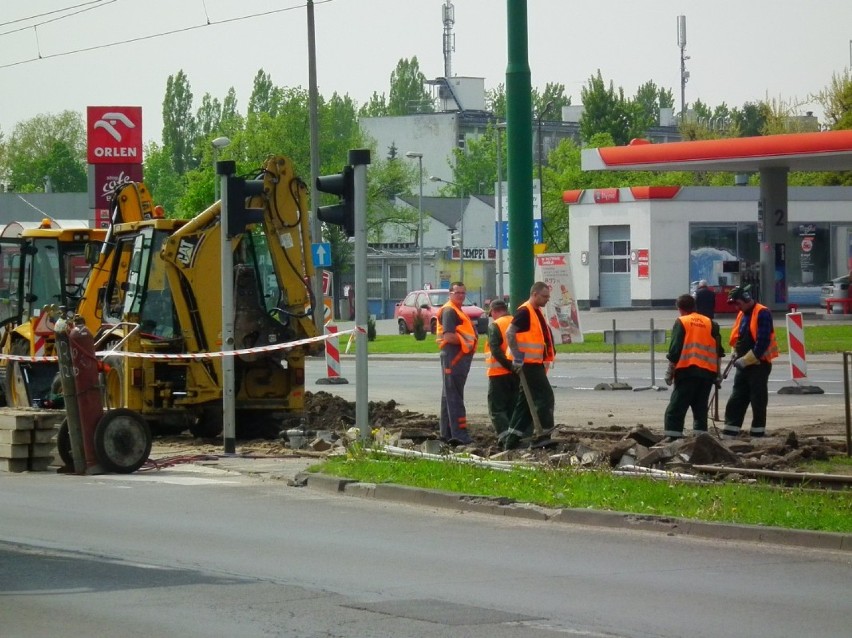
[316, 227]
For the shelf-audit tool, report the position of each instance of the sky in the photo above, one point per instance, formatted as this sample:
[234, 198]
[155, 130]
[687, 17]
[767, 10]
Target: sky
[739, 50]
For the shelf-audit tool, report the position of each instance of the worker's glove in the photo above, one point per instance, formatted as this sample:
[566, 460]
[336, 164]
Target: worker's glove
[748, 359]
[517, 365]
[670, 373]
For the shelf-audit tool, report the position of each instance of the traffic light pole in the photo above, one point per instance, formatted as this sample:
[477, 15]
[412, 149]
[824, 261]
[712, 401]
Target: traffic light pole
[359, 159]
[229, 424]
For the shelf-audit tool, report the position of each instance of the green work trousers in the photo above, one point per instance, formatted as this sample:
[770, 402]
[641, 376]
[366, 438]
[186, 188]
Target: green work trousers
[502, 396]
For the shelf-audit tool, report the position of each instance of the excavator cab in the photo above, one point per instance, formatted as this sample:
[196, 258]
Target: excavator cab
[44, 269]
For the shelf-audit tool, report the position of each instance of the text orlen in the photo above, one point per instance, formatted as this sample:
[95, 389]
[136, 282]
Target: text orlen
[116, 151]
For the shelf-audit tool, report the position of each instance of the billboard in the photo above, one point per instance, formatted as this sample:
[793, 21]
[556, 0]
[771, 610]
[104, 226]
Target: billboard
[114, 134]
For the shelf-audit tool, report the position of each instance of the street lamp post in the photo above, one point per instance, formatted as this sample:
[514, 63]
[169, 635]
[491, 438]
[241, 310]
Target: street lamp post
[435, 178]
[541, 115]
[419, 158]
[219, 142]
[500, 127]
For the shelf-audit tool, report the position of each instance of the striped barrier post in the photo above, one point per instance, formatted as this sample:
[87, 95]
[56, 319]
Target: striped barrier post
[798, 359]
[332, 358]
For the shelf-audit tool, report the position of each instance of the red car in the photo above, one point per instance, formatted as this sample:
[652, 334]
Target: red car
[429, 302]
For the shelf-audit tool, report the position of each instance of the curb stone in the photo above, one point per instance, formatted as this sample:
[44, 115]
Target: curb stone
[501, 506]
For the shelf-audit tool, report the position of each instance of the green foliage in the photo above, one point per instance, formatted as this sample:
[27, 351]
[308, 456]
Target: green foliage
[387, 178]
[408, 94]
[371, 328]
[419, 327]
[47, 146]
[179, 126]
[606, 110]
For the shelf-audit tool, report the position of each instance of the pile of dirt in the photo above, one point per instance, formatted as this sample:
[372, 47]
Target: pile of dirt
[609, 446]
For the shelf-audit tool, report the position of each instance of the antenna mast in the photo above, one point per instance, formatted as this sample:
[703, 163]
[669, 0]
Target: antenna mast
[684, 74]
[449, 14]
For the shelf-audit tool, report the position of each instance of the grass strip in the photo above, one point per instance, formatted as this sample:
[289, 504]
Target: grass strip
[818, 340]
[791, 508]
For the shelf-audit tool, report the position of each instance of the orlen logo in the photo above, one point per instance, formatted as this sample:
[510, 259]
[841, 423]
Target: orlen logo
[115, 134]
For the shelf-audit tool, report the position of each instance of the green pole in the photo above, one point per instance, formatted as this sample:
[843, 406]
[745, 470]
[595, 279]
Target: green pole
[519, 141]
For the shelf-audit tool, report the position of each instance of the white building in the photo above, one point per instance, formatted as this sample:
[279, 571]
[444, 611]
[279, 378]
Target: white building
[643, 246]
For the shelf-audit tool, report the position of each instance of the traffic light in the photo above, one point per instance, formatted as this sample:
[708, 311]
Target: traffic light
[455, 238]
[239, 216]
[343, 212]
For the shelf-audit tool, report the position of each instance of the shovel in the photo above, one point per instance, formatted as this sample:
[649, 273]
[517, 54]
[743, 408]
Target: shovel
[525, 388]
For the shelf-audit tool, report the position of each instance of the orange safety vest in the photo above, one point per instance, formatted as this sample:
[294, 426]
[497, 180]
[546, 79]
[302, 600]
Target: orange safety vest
[772, 350]
[464, 329]
[699, 346]
[532, 342]
[493, 368]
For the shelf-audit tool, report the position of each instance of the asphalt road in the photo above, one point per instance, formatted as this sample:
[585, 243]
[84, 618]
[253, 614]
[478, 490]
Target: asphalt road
[193, 553]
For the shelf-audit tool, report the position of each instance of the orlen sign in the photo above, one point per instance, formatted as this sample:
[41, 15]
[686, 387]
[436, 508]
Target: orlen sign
[115, 134]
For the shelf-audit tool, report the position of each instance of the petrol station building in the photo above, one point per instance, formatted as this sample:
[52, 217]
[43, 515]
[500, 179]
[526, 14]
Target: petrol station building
[643, 246]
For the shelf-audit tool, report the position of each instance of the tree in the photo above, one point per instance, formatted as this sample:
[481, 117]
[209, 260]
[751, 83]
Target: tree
[179, 126]
[608, 111]
[265, 96]
[553, 98]
[407, 93]
[751, 119]
[495, 101]
[376, 107]
[836, 101]
[387, 178]
[51, 146]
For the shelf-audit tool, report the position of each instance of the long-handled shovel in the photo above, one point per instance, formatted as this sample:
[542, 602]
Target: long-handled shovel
[538, 431]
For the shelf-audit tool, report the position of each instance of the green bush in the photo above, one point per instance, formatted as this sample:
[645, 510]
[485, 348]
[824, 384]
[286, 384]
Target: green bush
[371, 328]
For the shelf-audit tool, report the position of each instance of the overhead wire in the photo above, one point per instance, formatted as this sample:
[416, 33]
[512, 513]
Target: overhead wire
[156, 35]
[34, 27]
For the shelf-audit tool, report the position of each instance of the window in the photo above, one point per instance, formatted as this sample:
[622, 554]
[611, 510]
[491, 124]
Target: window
[614, 256]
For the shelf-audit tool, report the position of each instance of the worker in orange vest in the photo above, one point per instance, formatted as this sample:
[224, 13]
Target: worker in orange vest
[456, 338]
[503, 383]
[753, 341]
[531, 343]
[694, 353]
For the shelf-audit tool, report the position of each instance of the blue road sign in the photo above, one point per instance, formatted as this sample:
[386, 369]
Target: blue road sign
[321, 252]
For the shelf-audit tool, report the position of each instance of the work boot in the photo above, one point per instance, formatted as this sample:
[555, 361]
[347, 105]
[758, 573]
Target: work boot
[510, 442]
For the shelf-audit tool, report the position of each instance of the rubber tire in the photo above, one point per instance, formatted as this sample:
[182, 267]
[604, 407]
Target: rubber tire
[433, 326]
[122, 441]
[63, 445]
[403, 329]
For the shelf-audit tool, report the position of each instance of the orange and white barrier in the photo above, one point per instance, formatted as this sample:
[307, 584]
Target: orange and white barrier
[798, 358]
[332, 357]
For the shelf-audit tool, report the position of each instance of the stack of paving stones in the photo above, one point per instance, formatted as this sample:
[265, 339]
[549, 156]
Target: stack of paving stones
[28, 439]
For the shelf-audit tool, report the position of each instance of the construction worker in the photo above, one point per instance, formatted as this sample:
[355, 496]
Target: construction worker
[503, 384]
[694, 353]
[531, 344]
[753, 341]
[456, 338]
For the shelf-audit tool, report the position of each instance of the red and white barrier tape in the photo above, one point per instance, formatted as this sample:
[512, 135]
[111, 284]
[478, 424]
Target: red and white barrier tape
[197, 355]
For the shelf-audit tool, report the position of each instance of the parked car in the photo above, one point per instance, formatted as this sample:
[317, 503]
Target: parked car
[837, 288]
[429, 302]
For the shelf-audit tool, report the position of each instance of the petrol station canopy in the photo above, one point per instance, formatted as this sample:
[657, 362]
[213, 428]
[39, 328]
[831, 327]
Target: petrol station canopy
[823, 151]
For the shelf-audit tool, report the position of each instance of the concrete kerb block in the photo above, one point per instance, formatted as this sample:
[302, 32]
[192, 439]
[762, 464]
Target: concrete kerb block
[324, 482]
